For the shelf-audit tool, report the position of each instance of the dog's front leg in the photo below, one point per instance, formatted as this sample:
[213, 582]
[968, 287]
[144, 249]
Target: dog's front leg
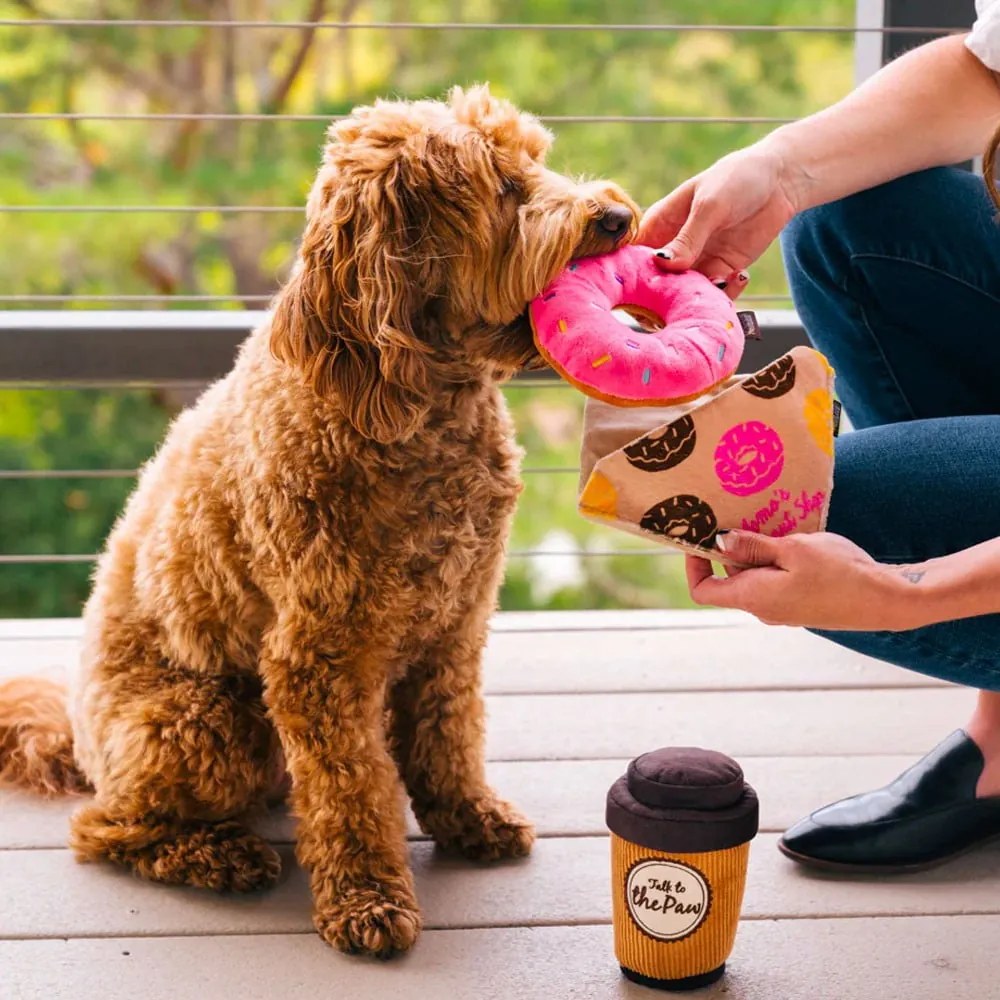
[438, 729]
[327, 698]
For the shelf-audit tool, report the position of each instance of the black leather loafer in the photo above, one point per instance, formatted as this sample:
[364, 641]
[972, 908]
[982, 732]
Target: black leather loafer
[928, 815]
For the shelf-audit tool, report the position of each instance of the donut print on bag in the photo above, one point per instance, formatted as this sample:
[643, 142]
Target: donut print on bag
[774, 380]
[749, 458]
[665, 448]
[684, 518]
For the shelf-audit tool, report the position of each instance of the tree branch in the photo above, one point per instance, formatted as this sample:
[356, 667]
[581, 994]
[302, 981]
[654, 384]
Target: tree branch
[73, 127]
[111, 63]
[279, 94]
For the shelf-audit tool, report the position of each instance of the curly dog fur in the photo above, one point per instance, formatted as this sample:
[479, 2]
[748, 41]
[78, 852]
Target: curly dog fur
[303, 578]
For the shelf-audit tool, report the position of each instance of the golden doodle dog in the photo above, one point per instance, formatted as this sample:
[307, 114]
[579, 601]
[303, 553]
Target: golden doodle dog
[302, 581]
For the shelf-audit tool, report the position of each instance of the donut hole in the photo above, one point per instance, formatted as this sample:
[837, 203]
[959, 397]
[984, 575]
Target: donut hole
[649, 321]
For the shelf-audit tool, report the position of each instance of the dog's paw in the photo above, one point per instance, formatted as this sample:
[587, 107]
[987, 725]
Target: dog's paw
[484, 830]
[369, 922]
[251, 863]
[225, 857]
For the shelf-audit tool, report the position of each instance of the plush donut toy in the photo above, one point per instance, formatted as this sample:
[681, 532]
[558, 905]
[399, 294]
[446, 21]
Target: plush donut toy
[696, 340]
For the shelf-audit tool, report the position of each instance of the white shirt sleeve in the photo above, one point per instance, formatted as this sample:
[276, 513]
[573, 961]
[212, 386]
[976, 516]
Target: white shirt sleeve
[984, 39]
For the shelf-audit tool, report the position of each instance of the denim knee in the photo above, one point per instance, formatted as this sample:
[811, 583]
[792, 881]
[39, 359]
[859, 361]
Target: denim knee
[808, 238]
[816, 254]
[817, 245]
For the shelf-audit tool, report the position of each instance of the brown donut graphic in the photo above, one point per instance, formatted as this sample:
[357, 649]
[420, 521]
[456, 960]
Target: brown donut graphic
[774, 380]
[684, 518]
[660, 451]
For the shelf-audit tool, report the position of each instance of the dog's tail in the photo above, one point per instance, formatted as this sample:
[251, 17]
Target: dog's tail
[36, 740]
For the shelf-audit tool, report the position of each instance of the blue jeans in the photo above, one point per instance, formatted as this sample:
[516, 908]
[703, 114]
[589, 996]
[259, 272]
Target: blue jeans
[899, 287]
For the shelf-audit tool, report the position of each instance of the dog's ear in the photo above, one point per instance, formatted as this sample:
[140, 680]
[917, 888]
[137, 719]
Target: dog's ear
[511, 133]
[347, 315]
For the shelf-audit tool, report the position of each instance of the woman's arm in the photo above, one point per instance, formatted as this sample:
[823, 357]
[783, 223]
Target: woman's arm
[824, 581]
[936, 105]
[958, 586]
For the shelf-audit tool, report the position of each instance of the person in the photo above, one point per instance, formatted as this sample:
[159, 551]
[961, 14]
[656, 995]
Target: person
[893, 259]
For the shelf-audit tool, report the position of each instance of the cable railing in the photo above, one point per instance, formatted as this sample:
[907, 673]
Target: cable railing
[64, 350]
[161, 24]
[182, 350]
[282, 117]
[124, 118]
[90, 557]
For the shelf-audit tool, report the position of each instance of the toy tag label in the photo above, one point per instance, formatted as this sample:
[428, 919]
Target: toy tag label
[667, 900]
[836, 417]
[751, 328]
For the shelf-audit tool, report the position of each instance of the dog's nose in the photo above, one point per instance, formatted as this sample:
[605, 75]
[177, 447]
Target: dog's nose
[614, 222]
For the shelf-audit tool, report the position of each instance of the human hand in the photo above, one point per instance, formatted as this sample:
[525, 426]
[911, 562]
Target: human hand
[820, 581]
[720, 221]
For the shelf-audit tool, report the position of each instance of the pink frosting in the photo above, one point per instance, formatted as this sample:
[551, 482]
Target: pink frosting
[700, 344]
[749, 458]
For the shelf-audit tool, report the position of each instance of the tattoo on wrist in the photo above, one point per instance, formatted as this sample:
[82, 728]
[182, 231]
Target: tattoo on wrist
[914, 575]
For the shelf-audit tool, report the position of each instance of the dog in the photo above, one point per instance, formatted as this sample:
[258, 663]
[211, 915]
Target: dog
[301, 583]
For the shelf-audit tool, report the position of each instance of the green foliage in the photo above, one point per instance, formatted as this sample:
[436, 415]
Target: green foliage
[219, 163]
[42, 430]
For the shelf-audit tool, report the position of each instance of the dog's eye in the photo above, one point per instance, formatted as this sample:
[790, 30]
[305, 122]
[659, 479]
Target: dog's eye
[509, 186]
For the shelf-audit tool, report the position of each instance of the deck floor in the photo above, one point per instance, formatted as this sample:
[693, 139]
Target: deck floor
[572, 696]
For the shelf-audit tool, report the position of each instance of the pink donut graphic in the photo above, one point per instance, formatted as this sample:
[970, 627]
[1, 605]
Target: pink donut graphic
[749, 458]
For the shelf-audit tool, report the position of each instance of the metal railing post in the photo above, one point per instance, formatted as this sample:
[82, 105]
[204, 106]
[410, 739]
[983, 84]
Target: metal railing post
[917, 13]
[913, 14]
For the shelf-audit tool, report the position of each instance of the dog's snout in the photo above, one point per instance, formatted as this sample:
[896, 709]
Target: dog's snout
[614, 222]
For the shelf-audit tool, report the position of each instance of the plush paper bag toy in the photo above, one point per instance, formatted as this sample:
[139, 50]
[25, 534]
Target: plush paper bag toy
[754, 453]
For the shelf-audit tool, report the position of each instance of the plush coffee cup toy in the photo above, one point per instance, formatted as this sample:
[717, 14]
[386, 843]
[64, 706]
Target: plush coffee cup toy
[681, 822]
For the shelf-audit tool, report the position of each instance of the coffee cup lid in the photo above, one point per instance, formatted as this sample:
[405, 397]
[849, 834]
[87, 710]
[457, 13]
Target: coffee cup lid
[683, 799]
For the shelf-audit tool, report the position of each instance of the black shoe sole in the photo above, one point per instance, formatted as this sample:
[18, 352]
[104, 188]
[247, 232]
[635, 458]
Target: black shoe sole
[846, 868]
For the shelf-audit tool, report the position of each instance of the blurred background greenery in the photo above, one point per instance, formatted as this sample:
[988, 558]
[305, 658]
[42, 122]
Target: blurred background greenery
[125, 70]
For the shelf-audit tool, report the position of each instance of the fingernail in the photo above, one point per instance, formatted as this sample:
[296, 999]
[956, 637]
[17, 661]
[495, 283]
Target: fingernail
[665, 254]
[720, 539]
[720, 282]
[742, 276]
